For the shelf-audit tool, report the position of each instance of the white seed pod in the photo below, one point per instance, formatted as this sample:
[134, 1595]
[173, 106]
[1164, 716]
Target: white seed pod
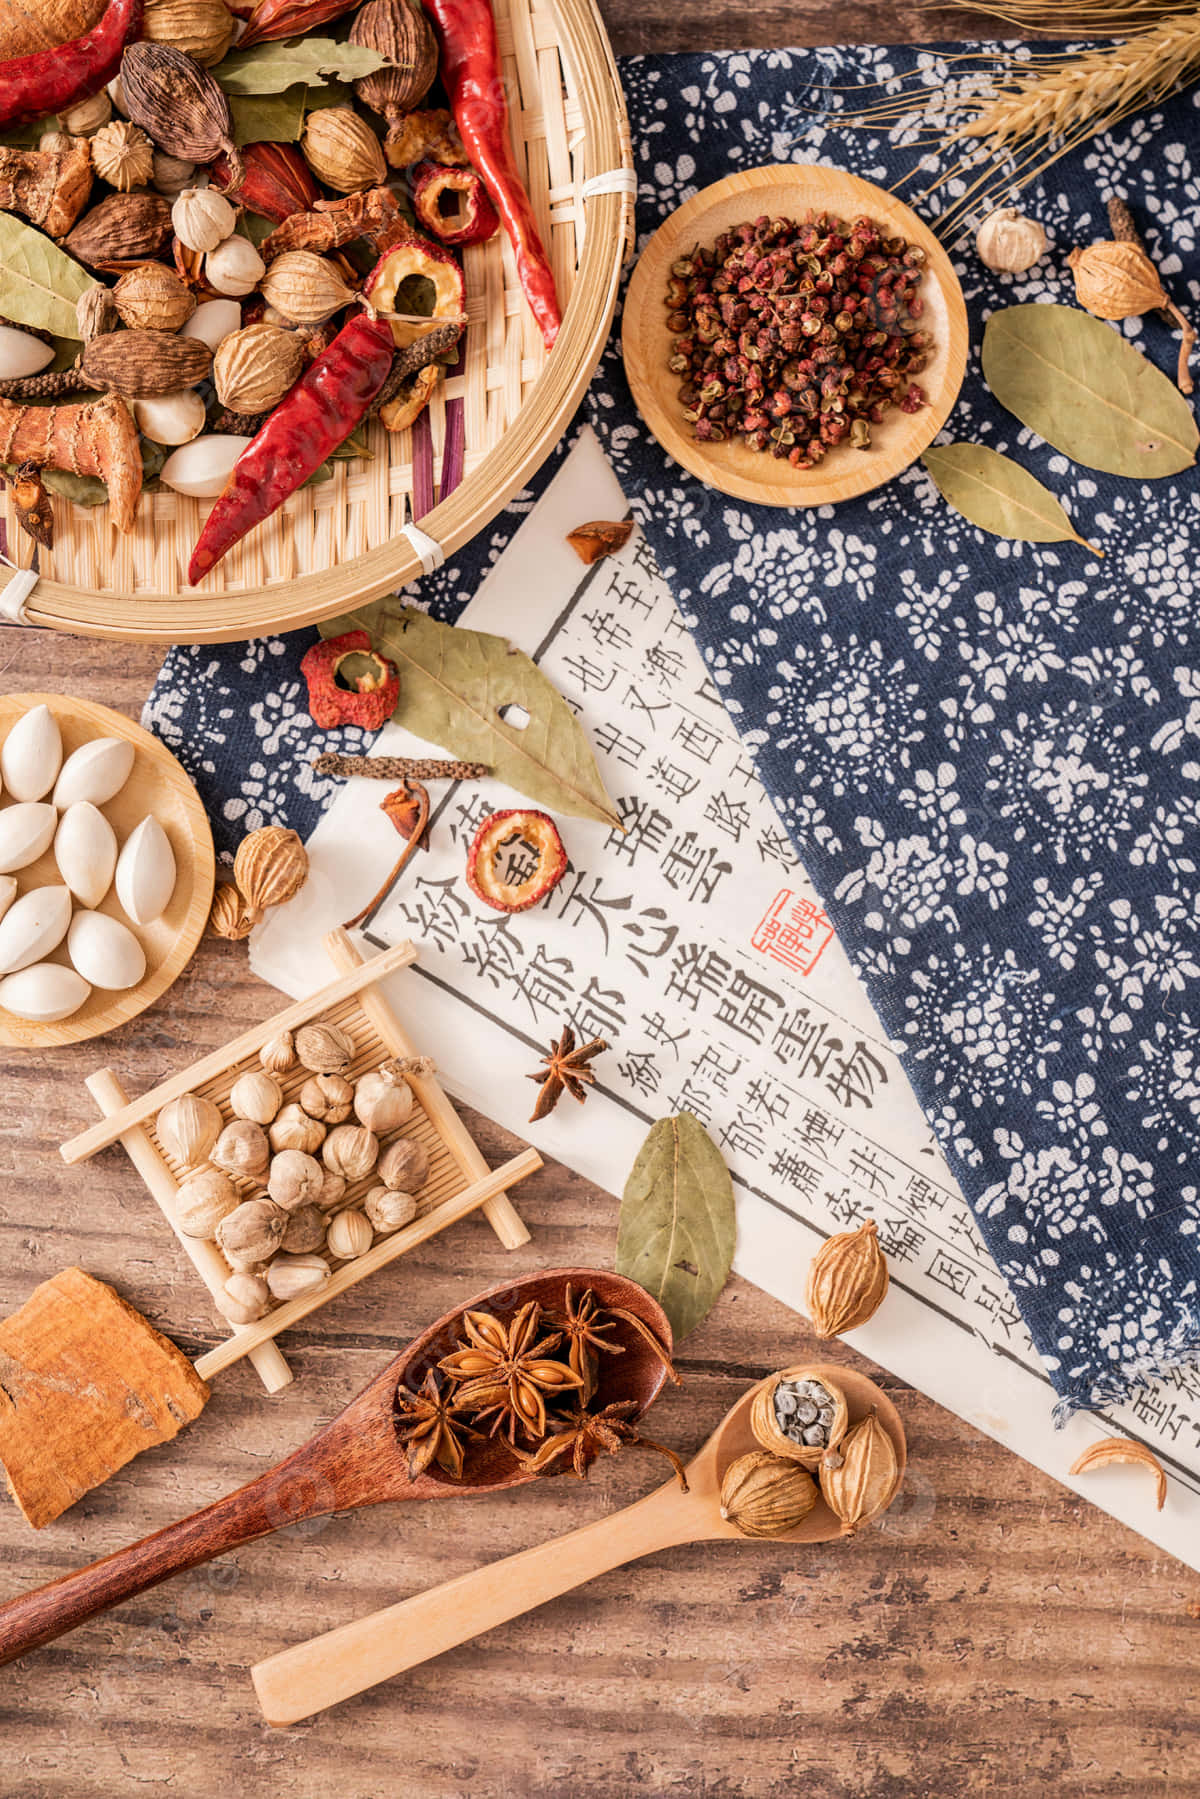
[241, 1148]
[105, 951]
[146, 872]
[290, 1276]
[202, 468]
[116, 94]
[382, 1100]
[95, 772]
[32, 755]
[324, 1048]
[279, 1054]
[203, 1202]
[294, 1129]
[171, 174]
[87, 116]
[305, 1231]
[349, 1235]
[234, 267]
[213, 321]
[295, 1179]
[244, 1298]
[85, 848]
[188, 1127]
[252, 1233]
[174, 418]
[33, 927]
[21, 354]
[333, 1190]
[26, 832]
[255, 1096]
[389, 1210]
[351, 1151]
[44, 993]
[404, 1166]
[201, 218]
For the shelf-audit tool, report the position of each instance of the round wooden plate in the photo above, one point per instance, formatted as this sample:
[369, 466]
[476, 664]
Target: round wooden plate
[789, 191]
[156, 784]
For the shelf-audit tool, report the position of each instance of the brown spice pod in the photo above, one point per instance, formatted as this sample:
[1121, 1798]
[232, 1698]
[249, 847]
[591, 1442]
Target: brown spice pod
[847, 1281]
[1122, 1449]
[858, 1481]
[401, 34]
[764, 1495]
[143, 363]
[766, 1428]
[229, 917]
[124, 229]
[180, 106]
[152, 298]
[270, 867]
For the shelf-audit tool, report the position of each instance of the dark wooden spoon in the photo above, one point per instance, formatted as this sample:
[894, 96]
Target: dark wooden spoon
[356, 1460]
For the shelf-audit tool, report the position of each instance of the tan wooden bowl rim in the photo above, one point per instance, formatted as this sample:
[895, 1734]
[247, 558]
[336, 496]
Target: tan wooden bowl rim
[193, 617]
[786, 190]
[170, 942]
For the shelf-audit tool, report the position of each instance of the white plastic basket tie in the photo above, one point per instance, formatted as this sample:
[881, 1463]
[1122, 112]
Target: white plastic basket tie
[427, 549]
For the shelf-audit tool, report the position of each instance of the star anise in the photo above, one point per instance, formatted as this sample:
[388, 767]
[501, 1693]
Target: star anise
[432, 1431]
[565, 1067]
[507, 1371]
[582, 1322]
[585, 1434]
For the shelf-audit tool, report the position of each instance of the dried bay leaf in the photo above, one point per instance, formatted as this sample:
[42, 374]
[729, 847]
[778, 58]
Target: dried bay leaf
[39, 283]
[678, 1221]
[279, 118]
[998, 495]
[273, 68]
[453, 684]
[1082, 388]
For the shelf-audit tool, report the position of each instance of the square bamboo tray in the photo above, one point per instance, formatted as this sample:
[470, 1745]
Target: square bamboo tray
[459, 1178]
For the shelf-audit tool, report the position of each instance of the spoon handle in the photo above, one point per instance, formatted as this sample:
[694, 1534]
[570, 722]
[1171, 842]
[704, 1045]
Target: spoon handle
[327, 1669]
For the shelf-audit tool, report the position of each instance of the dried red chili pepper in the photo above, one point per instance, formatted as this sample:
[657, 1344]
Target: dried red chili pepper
[470, 71]
[515, 889]
[277, 181]
[55, 80]
[288, 18]
[329, 400]
[338, 698]
[471, 219]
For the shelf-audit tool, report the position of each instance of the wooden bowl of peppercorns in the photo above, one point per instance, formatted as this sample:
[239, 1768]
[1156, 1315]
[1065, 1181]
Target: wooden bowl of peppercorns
[794, 336]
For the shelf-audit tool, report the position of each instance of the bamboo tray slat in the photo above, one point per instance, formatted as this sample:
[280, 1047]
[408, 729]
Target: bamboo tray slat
[338, 545]
[459, 1178]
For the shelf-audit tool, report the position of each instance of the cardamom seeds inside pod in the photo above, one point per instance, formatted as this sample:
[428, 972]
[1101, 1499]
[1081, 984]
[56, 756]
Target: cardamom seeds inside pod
[859, 1477]
[799, 1415]
[847, 1281]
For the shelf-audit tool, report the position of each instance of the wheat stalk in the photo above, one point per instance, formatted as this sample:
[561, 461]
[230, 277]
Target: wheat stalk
[1029, 112]
[1085, 18]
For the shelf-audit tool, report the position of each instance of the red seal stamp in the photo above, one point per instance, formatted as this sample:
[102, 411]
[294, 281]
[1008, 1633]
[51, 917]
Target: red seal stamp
[794, 931]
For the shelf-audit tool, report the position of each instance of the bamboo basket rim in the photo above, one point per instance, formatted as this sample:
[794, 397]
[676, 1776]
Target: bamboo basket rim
[188, 617]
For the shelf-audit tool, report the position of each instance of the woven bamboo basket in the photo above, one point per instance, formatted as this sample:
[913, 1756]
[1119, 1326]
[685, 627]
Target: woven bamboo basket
[339, 544]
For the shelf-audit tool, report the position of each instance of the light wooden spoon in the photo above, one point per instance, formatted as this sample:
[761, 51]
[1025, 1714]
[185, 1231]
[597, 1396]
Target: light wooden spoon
[327, 1669]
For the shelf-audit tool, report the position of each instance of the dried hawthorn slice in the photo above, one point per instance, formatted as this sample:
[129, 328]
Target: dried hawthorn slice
[350, 683]
[515, 860]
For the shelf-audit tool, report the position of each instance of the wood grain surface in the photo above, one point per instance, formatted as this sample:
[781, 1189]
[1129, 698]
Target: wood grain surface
[994, 1635]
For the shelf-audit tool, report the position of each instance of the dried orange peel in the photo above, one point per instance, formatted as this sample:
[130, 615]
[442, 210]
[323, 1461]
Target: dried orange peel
[485, 868]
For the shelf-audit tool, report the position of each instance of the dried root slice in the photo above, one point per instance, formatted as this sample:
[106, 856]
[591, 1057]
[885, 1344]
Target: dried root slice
[99, 438]
[1122, 1449]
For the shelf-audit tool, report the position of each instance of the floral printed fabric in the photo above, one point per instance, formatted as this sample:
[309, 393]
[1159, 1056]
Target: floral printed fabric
[987, 754]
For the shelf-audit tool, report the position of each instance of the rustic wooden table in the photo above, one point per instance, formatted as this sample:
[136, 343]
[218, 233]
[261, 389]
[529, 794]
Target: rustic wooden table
[995, 1635]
